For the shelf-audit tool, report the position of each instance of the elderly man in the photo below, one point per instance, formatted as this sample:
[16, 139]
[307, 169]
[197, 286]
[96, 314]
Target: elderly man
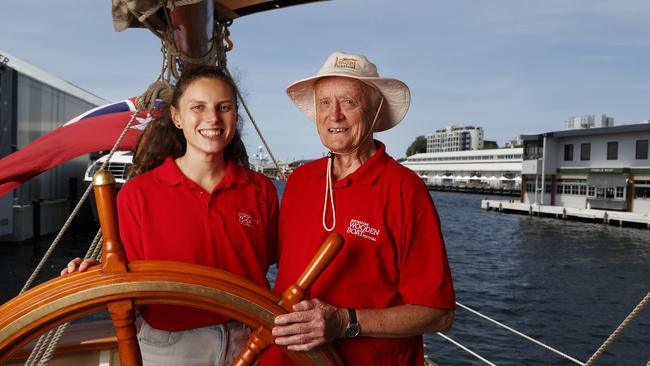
[391, 281]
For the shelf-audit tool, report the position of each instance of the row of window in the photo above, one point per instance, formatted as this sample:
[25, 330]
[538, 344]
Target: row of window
[585, 190]
[578, 188]
[612, 151]
[471, 157]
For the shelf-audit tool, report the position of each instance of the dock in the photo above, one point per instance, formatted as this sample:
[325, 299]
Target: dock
[474, 189]
[568, 213]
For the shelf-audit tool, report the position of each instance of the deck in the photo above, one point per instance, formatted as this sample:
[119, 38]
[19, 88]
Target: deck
[569, 213]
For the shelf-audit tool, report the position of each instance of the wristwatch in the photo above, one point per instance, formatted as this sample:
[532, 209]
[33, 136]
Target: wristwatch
[353, 329]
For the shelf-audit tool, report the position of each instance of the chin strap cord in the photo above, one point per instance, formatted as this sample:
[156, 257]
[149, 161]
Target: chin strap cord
[329, 192]
[328, 175]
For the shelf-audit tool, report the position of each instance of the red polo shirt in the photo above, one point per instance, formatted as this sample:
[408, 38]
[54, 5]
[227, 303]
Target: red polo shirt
[393, 253]
[165, 216]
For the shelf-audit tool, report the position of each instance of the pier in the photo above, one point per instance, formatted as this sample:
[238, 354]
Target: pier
[475, 189]
[569, 213]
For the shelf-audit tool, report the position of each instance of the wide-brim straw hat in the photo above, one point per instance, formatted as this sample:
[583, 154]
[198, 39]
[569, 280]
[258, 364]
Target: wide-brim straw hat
[397, 96]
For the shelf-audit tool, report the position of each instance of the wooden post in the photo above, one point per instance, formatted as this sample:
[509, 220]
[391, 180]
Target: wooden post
[261, 339]
[114, 261]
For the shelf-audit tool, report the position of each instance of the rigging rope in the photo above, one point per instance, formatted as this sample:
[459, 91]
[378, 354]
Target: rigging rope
[259, 132]
[618, 330]
[465, 349]
[520, 334]
[44, 348]
[94, 251]
[591, 360]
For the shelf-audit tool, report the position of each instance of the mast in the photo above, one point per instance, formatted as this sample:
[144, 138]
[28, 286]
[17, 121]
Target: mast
[193, 29]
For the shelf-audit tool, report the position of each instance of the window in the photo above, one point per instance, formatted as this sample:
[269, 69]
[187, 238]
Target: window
[642, 191]
[585, 151]
[642, 149]
[620, 192]
[612, 150]
[532, 150]
[530, 187]
[568, 152]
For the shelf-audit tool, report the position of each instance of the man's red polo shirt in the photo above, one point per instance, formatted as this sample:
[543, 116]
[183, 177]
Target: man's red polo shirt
[393, 253]
[165, 216]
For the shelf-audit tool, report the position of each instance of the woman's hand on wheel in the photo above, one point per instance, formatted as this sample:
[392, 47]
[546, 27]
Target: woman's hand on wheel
[79, 264]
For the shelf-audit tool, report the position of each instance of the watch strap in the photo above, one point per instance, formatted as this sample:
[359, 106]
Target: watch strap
[352, 317]
[353, 329]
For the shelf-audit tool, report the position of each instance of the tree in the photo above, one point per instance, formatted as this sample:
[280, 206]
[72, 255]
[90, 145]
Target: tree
[418, 146]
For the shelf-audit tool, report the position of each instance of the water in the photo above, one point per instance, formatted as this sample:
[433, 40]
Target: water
[568, 284]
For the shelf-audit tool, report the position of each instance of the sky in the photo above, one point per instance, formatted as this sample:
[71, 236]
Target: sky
[511, 66]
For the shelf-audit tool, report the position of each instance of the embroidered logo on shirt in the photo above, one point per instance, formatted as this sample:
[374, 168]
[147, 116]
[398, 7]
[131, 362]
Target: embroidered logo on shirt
[248, 220]
[362, 229]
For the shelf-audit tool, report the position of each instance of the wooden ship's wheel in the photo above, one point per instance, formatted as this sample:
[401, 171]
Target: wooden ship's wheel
[120, 287]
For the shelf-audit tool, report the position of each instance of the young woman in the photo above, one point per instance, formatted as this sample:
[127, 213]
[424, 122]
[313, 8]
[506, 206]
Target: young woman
[195, 200]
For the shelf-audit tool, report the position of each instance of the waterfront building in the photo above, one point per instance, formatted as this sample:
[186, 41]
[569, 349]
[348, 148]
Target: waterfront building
[455, 138]
[603, 168]
[588, 121]
[515, 142]
[34, 102]
[494, 168]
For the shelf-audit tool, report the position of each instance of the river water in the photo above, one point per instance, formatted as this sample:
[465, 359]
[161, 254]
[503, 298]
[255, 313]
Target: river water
[568, 284]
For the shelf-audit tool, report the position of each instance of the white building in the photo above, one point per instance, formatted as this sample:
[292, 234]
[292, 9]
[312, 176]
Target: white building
[588, 121]
[496, 168]
[599, 168]
[32, 103]
[515, 142]
[455, 138]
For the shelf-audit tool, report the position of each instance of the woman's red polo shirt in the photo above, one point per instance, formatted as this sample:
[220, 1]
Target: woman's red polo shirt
[165, 216]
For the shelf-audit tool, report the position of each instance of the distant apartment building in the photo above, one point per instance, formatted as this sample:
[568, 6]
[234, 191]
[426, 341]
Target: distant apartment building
[515, 142]
[588, 121]
[455, 138]
[600, 168]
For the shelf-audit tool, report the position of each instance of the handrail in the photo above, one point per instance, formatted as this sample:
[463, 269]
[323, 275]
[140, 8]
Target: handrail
[520, 334]
[591, 360]
[464, 348]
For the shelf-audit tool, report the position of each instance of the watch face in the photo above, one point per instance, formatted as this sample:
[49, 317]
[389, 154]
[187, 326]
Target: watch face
[353, 330]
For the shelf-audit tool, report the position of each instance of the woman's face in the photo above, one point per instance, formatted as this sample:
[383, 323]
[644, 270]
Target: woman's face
[341, 113]
[207, 115]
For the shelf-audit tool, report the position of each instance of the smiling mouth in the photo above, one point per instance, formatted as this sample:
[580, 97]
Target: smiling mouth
[212, 133]
[337, 130]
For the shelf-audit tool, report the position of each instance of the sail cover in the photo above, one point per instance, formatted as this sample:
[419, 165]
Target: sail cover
[132, 13]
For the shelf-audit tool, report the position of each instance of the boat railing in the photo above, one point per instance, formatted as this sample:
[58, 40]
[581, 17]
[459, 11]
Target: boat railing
[589, 362]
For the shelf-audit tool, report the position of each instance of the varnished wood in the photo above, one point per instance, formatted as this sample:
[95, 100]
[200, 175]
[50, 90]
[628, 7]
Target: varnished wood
[261, 338]
[147, 282]
[114, 261]
[123, 315]
[113, 256]
[326, 253]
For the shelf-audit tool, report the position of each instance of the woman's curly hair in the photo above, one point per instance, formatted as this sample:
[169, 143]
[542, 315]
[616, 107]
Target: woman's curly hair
[161, 138]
